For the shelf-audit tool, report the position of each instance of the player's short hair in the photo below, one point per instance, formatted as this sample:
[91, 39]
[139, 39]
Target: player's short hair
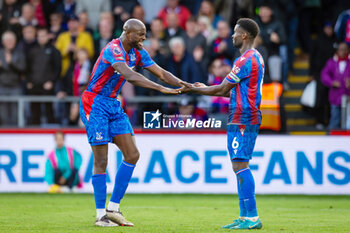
[250, 26]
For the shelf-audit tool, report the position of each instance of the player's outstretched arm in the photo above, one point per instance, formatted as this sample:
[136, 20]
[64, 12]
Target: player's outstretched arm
[217, 90]
[165, 75]
[141, 81]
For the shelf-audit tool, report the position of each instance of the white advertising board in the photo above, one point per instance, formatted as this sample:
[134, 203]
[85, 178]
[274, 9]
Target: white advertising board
[190, 163]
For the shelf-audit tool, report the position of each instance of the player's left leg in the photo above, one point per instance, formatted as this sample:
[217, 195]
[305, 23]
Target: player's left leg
[127, 145]
[246, 193]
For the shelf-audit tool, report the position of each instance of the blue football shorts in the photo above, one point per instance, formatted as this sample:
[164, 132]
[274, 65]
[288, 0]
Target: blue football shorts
[103, 118]
[241, 141]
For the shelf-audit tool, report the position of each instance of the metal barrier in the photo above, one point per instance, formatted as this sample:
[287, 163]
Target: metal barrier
[21, 100]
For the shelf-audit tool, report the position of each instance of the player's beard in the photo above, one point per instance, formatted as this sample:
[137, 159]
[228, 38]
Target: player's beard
[135, 44]
[237, 44]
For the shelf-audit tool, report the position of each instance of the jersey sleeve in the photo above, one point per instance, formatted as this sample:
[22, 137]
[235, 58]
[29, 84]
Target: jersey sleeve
[146, 60]
[241, 69]
[113, 54]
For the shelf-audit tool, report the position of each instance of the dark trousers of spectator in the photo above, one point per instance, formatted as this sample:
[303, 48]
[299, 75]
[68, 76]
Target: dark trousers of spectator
[35, 107]
[334, 122]
[8, 111]
[69, 181]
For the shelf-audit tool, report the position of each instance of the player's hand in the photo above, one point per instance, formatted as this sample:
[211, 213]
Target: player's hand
[198, 84]
[170, 91]
[185, 89]
[187, 85]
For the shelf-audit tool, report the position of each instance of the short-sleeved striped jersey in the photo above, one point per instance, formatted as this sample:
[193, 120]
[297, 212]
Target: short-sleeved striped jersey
[245, 98]
[104, 80]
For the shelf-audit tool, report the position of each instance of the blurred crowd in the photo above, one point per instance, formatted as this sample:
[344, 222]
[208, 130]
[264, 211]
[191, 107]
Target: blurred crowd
[48, 47]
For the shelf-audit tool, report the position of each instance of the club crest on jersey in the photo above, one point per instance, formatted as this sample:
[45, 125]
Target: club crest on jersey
[132, 57]
[117, 50]
[236, 69]
[99, 136]
[87, 117]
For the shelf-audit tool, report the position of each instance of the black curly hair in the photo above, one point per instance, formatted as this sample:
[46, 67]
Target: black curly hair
[250, 26]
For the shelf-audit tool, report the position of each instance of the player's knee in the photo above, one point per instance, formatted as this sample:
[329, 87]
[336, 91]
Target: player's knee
[100, 165]
[132, 157]
[239, 165]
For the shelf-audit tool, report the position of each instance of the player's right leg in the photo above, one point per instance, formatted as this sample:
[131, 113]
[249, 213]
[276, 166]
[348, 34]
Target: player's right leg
[127, 145]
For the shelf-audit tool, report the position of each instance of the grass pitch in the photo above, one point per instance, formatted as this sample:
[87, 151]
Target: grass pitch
[172, 213]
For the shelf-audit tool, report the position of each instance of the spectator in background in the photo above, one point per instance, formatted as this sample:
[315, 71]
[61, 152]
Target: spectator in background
[336, 76]
[139, 13]
[274, 37]
[62, 167]
[222, 46]
[206, 29]
[42, 9]
[81, 74]
[217, 73]
[151, 9]
[12, 64]
[322, 49]
[84, 23]
[195, 43]
[341, 28]
[173, 6]
[193, 38]
[105, 35]
[207, 9]
[72, 40]
[182, 64]
[157, 32]
[93, 8]
[66, 8]
[56, 20]
[10, 13]
[28, 39]
[28, 15]
[122, 11]
[173, 29]
[43, 70]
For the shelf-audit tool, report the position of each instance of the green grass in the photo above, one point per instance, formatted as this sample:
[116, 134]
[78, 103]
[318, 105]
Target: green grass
[172, 213]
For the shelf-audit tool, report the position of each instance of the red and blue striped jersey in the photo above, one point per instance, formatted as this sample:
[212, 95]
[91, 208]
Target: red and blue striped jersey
[245, 97]
[104, 80]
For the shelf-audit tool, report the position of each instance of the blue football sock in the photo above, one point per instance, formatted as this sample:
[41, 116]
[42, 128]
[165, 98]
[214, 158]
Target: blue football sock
[246, 192]
[243, 211]
[122, 179]
[100, 190]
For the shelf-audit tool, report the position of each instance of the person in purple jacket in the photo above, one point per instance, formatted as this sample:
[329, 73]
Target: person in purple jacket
[336, 76]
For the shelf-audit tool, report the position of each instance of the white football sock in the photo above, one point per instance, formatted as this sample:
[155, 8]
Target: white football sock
[113, 206]
[253, 219]
[100, 213]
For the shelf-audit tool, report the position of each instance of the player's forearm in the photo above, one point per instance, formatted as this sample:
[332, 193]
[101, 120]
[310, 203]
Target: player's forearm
[210, 90]
[139, 80]
[169, 78]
